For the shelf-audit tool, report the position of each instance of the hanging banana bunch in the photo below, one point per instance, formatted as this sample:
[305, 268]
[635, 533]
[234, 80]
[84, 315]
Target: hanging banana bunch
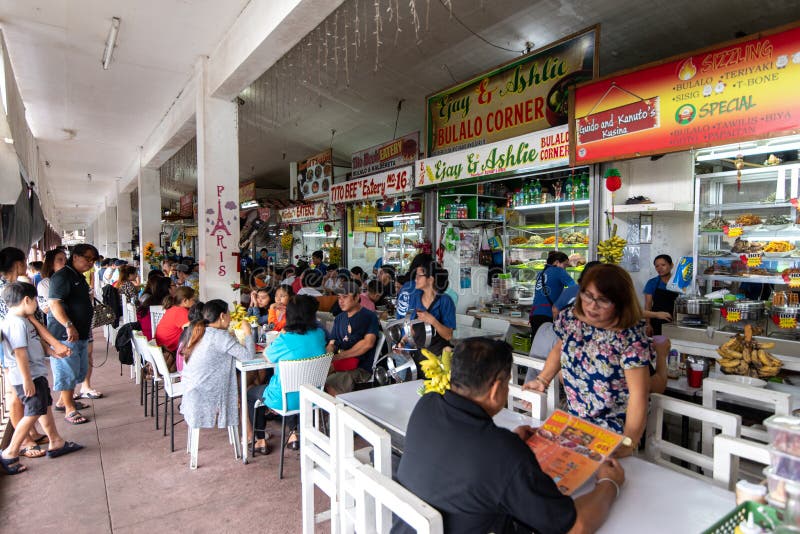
[610, 250]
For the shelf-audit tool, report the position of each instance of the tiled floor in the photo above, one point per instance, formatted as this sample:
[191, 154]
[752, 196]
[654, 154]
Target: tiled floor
[126, 479]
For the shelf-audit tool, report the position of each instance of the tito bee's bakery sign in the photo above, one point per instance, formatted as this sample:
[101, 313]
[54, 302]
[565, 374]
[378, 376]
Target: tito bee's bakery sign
[745, 90]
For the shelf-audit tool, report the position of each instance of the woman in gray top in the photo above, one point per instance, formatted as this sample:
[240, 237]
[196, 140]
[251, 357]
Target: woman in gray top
[209, 374]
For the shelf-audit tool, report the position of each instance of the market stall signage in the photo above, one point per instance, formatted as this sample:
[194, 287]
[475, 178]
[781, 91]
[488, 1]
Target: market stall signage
[791, 277]
[746, 90]
[524, 95]
[375, 187]
[315, 175]
[304, 213]
[247, 191]
[534, 151]
[395, 153]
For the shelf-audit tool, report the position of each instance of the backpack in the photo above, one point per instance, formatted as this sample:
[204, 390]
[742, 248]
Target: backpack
[123, 342]
[112, 299]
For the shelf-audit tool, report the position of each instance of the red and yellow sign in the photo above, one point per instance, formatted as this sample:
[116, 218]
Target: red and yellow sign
[785, 320]
[732, 230]
[315, 211]
[791, 277]
[376, 187]
[733, 316]
[745, 90]
[752, 259]
[522, 96]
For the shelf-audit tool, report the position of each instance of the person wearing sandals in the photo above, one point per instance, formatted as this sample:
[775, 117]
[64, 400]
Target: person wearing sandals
[209, 374]
[25, 354]
[70, 320]
[302, 338]
[12, 266]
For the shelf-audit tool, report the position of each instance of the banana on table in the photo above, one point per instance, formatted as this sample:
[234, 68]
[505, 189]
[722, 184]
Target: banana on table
[748, 358]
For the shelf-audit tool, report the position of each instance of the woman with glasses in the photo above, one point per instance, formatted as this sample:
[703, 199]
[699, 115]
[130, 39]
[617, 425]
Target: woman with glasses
[430, 305]
[603, 354]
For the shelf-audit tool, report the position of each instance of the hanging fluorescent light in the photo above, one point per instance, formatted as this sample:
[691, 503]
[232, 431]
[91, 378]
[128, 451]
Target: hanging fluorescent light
[111, 42]
[8, 140]
[249, 204]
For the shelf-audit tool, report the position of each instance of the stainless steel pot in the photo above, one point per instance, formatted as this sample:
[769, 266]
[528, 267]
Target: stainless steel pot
[749, 310]
[518, 293]
[693, 305]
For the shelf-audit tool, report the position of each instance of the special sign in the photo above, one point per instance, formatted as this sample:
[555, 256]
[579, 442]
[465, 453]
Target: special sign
[747, 90]
[534, 151]
[524, 95]
[375, 187]
[304, 212]
[395, 153]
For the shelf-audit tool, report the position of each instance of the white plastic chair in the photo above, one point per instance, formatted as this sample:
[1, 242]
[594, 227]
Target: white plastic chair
[462, 319]
[377, 495]
[318, 461]
[295, 373]
[535, 363]
[661, 451]
[156, 313]
[140, 342]
[172, 389]
[517, 397]
[778, 402]
[351, 424]
[136, 368]
[491, 324]
[728, 450]
[193, 441]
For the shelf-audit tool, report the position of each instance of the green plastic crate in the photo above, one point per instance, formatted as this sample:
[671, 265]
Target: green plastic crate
[764, 515]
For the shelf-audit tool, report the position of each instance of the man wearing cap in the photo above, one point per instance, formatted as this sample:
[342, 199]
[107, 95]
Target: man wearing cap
[352, 341]
[182, 275]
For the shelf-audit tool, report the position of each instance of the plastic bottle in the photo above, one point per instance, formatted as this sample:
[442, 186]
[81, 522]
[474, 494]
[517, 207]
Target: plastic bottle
[441, 211]
[490, 209]
[569, 188]
[482, 211]
[537, 192]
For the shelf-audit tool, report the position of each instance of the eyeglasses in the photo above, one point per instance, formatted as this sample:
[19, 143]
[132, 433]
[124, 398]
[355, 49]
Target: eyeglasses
[90, 259]
[600, 302]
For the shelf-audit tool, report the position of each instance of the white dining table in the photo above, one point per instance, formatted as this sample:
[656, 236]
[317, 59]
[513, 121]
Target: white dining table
[653, 499]
[244, 367]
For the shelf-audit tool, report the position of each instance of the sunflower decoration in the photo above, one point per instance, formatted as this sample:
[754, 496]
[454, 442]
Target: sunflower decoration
[286, 240]
[151, 255]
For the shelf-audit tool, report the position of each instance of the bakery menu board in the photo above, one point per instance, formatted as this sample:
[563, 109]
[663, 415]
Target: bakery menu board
[315, 175]
[570, 449]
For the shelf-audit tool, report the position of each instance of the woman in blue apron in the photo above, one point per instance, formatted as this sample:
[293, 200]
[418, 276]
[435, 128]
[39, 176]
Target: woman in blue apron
[659, 302]
[549, 285]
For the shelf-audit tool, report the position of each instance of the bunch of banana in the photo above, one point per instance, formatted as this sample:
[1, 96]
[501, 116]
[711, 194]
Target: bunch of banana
[743, 356]
[239, 316]
[610, 250]
[437, 371]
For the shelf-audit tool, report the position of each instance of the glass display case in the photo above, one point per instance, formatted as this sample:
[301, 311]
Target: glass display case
[748, 236]
[402, 235]
[553, 213]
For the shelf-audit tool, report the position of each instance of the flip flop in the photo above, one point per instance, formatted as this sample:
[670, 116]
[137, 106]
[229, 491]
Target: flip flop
[32, 452]
[93, 395]
[75, 418]
[11, 466]
[68, 447]
[78, 406]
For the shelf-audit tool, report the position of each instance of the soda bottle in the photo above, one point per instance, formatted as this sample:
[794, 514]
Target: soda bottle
[441, 211]
[537, 192]
[569, 192]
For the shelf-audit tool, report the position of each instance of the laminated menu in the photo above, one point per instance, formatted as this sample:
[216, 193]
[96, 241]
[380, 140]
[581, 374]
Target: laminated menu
[570, 449]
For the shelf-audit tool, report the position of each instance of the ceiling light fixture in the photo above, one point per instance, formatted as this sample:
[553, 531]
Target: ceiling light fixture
[8, 141]
[111, 42]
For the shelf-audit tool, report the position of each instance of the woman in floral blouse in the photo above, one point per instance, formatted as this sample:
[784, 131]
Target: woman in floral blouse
[603, 354]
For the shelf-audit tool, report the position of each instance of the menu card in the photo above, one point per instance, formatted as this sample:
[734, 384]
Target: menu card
[570, 450]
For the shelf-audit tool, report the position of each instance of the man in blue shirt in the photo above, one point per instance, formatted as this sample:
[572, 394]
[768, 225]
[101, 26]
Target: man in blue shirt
[352, 341]
[262, 258]
[549, 285]
[316, 262]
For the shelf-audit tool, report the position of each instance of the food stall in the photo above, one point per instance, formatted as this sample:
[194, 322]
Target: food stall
[377, 224]
[383, 219]
[307, 227]
[732, 130]
[497, 157]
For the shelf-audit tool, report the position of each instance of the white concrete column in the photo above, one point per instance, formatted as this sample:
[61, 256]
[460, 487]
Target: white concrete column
[111, 231]
[100, 234]
[124, 225]
[218, 192]
[149, 213]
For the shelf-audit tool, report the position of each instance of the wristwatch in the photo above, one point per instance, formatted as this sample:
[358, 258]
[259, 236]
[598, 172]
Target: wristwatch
[69, 323]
